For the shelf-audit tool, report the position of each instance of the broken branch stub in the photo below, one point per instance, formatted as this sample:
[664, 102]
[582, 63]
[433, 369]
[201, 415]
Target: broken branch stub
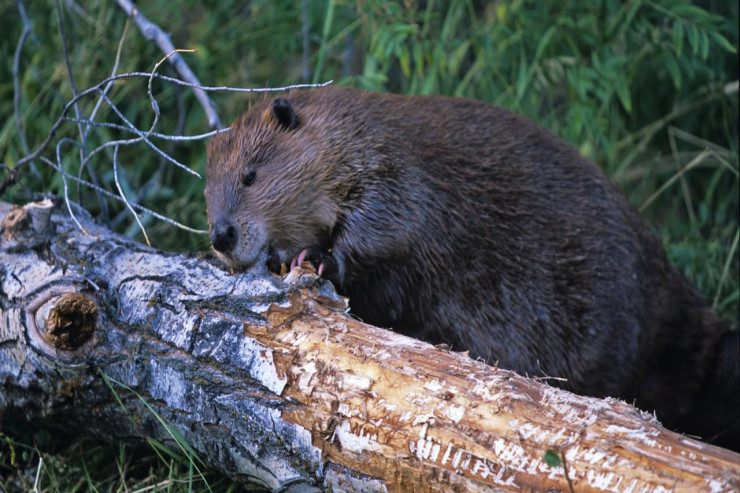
[270, 382]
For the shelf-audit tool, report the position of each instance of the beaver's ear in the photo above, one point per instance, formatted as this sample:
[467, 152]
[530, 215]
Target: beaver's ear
[284, 114]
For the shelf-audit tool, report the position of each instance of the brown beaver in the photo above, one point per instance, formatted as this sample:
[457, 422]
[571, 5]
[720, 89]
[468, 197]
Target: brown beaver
[455, 221]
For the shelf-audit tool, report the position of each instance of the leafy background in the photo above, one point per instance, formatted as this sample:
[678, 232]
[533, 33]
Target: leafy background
[646, 89]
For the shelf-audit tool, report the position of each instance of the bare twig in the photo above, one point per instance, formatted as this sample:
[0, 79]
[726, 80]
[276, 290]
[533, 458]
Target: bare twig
[153, 32]
[156, 135]
[130, 127]
[70, 74]
[565, 470]
[65, 175]
[38, 475]
[132, 75]
[99, 103]
[101, 90]
[114, 196]
[153, 101]
[16, 82]
[142, 138]
[110, 84]
[75, 91]
[86, 124]
[123, 196]
[14, 172]
[24, 18]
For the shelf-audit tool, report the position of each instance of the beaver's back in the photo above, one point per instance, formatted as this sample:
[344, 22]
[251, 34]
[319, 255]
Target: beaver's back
[524, 254]
[506, 231]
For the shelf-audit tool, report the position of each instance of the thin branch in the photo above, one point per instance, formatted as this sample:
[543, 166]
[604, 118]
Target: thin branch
[110, 84]
[101, 90]
[154, 33]
[36, 482]
[16, 81]
[65, 175]
[85, 125]
[156, 135]
[123, 196]
[131, 75]
[114, 196]
[152, 100]
[99, 103]
[75, 91]
[69, 68]
[143, 138]
[565, 470]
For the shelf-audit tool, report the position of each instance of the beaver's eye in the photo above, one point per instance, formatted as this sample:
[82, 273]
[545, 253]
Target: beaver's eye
[248, 178]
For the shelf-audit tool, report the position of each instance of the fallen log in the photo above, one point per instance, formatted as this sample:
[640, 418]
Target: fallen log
[269, 380]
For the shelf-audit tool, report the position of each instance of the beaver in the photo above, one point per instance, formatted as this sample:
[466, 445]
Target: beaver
[458, 222]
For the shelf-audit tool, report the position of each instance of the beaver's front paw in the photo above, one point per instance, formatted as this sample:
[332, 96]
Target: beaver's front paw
[322, 261]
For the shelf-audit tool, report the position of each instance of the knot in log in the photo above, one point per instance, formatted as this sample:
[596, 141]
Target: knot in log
[71, 322]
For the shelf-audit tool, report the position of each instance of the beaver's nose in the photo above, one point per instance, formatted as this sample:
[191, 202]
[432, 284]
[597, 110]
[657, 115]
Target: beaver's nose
[223, 235]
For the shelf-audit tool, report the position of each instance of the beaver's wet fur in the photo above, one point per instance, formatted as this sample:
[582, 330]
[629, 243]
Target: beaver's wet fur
[458, 222]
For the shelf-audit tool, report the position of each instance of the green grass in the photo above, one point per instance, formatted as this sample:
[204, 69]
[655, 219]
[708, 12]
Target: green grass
[57, 463]
[647, 89]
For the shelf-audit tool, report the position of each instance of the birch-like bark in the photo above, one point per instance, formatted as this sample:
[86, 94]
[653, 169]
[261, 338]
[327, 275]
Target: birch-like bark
[271, 382]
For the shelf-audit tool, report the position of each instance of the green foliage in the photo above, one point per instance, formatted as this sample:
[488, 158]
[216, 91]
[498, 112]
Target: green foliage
[552, 458]
[647, 89]
[58, 463]
[576, 67]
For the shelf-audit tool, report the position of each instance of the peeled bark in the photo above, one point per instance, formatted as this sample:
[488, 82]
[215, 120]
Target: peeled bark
[271, 382]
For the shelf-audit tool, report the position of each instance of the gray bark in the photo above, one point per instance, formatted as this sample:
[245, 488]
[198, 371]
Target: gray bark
[271, 383]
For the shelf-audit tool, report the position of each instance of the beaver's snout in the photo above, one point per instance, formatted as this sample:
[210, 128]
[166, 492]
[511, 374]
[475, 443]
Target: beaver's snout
[223, 235]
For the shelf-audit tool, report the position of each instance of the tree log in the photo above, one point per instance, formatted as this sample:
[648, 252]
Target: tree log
[272, 383]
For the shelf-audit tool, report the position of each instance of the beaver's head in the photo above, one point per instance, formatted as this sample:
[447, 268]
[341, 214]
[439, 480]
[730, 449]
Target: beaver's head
[271, 186]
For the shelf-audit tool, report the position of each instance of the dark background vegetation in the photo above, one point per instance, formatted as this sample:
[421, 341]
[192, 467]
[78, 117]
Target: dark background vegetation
[640, 87]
